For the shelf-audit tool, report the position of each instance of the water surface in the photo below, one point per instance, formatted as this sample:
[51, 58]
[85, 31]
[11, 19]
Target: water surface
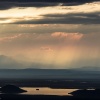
[47, 91]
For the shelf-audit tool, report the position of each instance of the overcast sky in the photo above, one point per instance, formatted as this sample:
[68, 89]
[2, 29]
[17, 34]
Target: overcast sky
[49, 34]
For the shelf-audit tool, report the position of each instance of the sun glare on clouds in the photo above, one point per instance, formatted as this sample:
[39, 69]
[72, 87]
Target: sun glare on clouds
[33, 13]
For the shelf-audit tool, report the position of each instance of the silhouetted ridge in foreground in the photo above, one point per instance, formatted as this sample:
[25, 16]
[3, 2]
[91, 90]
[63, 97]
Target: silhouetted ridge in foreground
[86, 92]
[11, 89]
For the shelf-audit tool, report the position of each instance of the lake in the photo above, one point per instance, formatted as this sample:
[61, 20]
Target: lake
[47, 91]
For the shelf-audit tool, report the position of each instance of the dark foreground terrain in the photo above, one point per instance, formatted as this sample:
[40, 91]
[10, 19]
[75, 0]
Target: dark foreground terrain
[63, 79]
[52, 83]
[54, 78]
[45, 97]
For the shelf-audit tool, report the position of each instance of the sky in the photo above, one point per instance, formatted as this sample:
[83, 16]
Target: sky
[57, 34]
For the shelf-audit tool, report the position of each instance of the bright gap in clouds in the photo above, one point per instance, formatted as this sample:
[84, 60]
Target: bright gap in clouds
[33, 13]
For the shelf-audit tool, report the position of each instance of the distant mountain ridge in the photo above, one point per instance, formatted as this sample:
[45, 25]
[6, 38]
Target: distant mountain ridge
[48, 73]
[88, 68]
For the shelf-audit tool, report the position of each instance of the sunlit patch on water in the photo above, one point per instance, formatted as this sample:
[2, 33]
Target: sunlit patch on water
[47, 91]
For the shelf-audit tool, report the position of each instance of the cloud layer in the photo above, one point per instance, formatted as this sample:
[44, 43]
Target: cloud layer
[50, 12]
[51, 46]
[49, 34]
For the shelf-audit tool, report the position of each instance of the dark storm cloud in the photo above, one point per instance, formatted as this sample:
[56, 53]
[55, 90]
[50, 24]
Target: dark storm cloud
[77, 18]
[49, 0]
[4, 6]
[7, 4]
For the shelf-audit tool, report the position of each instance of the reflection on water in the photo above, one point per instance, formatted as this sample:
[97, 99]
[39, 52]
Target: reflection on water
[47, 91]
